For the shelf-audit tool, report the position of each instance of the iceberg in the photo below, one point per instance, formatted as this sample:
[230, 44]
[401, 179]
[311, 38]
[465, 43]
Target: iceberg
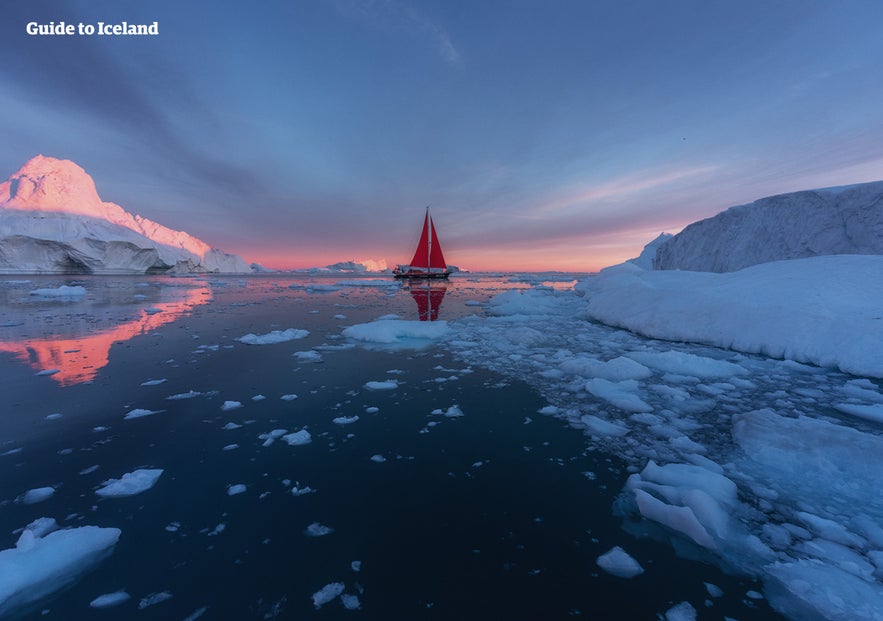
[52, 220]
[842, 220]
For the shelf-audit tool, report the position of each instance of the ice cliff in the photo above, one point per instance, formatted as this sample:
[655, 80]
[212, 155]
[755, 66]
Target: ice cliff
[53, 221]
[841, 220]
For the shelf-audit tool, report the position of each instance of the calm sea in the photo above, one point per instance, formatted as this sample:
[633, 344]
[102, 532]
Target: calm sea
[446, 497]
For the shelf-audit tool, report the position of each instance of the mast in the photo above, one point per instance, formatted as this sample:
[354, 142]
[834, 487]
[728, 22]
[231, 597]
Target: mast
[429, 245]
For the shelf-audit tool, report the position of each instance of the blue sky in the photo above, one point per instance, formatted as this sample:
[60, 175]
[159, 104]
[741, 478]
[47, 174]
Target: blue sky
[546, 135]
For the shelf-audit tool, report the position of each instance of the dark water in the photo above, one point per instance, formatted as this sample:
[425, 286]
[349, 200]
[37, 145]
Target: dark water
[498, 514]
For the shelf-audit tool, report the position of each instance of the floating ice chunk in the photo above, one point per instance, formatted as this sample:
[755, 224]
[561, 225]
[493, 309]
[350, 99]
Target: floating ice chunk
[230, 426]
[184, 395]
[109, 600]
[276, 336]
[153, 599]
[344, 420]
[454, 412]
[350, 601]
[62, 292]
[196, 614]
[619, 563]
[372, 410]
[230, 447]
[713, 589]
[130, 484]
[620, 394]
[290, 397]
[38, 494]
[356, 566]
[54, 416]
[230, 405]
[258, 398]
[328, 593]
[220, 528]
[378, 385]
[615, 370]
[398, 332]
[310, 355]
[681, 612]
[155, 382]
[603, 427]
[302, 491]
[687, 364]
[42, 526]
[318, 530]
[527, 302]
[868, 412]
[378, 459]
[239, 488]
[39, 566]
[298, 438]
[140, 413]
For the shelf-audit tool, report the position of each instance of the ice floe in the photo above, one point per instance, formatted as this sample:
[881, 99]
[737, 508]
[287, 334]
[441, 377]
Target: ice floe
[619, 563]
[130, 484]
[64, 292]
[276, 336]
[40, 565]
[38, 494]
[398, 333]
[108, 600]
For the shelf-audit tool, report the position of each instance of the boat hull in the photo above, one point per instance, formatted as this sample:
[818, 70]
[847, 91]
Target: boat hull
[422, 275]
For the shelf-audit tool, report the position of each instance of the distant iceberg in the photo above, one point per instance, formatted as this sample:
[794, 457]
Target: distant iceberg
[53, 221]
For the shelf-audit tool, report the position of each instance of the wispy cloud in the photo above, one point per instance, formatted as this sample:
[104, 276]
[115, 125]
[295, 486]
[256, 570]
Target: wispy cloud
[394, 15]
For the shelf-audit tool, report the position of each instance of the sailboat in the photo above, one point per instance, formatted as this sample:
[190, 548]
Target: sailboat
[428, 260]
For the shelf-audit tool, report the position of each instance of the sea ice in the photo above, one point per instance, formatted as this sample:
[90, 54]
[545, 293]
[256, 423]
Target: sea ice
[318, 530]
[109, 600]
[327, 593]
[681, 612]
[276, 336]
[238, 488]
[350, 601]
[156, 382]
[39, 566]
[298, 438]
[62, 292]
[33, 496]
[344, 420]
[309, 355]
[382, 385]
[230, 405]
[398, 332]
[619, 563]
[139, 413]
[130, 484]
[153, 599]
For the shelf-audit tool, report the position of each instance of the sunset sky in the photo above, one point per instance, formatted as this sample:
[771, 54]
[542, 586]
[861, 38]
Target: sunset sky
[546, 135]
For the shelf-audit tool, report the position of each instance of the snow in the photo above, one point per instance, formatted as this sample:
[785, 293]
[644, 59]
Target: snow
[276, 336]
[818, 310]
[130, 484]
[618, 562]
[52, 220]
[39, 566]
[398, 333]
[109, 600]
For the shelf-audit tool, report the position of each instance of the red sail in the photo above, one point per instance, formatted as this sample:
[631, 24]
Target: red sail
[429, 252]
[436, 258]
[421, 255]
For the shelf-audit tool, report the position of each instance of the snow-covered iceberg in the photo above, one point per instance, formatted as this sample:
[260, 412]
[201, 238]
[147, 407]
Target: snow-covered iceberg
[841, 220]
[53, 221]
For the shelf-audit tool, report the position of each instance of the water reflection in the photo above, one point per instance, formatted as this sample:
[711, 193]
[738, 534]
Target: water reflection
[428, 295]
[74, 336]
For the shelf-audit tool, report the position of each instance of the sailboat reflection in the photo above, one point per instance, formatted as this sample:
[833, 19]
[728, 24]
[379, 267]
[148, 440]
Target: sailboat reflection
[77, 341]
[429, 295]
